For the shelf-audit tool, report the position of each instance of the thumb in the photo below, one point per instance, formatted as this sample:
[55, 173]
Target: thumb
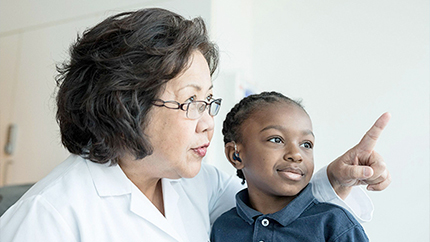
[359, 172]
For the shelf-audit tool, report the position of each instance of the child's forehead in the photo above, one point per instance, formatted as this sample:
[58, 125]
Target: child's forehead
[279, 113]
[282, 107]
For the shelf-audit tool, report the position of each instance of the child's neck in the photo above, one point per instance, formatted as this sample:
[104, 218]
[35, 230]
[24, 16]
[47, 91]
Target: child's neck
[265, 203]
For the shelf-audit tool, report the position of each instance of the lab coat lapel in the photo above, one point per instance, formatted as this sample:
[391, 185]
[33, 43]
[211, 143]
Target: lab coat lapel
[140, 205]
[171, 208]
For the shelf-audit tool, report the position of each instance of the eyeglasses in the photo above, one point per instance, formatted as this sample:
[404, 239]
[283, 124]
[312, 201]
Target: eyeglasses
[194, 109]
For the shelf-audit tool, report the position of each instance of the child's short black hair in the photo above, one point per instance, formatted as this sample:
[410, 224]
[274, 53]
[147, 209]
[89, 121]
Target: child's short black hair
[242, 110]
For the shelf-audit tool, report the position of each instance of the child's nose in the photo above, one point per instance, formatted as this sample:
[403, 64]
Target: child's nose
[293, 154]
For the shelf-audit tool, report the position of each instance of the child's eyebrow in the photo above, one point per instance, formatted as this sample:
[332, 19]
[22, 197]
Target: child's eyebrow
[307, 132]
[279, 127]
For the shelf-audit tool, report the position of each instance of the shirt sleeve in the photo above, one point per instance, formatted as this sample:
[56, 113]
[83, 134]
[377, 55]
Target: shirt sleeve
[355, 234]
[357, 203]
[34, 219]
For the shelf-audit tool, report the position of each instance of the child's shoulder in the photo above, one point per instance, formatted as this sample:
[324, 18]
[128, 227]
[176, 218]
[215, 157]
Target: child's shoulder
[330, 215]
[230, 215]
[325, 207]
[222, 229]
[333, 221]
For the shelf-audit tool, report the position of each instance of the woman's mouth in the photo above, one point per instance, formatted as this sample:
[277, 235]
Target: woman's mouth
[201, 150]
[291, 173]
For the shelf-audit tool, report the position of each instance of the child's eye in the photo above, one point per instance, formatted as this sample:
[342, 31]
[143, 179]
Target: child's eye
[307, 145]
[276, 140]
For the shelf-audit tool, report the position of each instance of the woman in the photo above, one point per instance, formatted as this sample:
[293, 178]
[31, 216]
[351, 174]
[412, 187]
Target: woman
[135, 109]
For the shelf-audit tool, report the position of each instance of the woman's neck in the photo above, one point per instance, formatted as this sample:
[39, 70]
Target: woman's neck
[140, 174]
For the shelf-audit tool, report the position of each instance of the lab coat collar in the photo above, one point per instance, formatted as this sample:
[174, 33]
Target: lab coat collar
[169, 223]
[109, 180]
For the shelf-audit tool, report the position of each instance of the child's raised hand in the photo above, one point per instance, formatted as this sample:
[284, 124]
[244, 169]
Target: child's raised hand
[361, 164]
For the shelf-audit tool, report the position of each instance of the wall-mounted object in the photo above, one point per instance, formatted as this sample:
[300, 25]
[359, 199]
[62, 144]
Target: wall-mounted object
[9, 148]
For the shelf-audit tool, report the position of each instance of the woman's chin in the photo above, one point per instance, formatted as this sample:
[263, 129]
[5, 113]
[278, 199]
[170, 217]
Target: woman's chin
[192, 170]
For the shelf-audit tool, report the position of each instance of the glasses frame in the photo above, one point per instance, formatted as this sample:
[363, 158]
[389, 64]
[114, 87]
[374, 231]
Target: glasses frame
[185, 106]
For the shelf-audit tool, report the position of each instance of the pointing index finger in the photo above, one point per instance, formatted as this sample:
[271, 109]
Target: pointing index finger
[368, 141]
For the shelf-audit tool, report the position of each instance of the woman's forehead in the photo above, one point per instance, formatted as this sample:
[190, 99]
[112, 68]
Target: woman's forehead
[196, 78]
[176, 89]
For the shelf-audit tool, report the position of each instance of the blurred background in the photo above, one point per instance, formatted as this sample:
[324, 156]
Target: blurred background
[349, 61]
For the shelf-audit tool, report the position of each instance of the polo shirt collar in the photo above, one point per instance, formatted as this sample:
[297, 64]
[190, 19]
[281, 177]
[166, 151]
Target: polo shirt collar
[245, 212]
[285, 216]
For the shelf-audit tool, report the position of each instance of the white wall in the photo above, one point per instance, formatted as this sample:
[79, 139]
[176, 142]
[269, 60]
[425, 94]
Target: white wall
[349, 61]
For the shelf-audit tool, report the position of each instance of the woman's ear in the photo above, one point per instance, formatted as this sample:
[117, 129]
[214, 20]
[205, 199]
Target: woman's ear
[230, 150]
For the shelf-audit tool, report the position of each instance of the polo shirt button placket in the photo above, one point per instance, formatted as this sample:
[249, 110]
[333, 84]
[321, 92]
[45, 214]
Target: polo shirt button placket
[265, 222]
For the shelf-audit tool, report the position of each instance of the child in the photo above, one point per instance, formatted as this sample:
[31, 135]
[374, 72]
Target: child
[269, 140]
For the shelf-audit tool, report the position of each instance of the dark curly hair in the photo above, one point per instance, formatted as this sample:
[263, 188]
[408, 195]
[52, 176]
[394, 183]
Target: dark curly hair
[116, 69]
[243, 110]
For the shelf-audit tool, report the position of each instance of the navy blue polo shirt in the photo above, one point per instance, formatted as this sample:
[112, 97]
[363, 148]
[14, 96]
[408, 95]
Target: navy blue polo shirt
[303, 219]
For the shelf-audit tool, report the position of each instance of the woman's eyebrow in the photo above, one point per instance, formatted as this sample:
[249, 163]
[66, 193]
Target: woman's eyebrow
[195, 86]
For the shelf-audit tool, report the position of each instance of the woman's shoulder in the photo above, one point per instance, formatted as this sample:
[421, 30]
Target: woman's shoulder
[207, 173]
[216, 187]
[61, 180]
[213, 178]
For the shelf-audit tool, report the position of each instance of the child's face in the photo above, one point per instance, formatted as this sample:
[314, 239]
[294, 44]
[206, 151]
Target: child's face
[277, 152]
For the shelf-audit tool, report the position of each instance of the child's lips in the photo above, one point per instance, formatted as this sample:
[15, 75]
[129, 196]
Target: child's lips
[291, 173]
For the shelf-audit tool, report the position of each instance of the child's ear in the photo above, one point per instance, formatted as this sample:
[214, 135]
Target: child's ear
[229, 150]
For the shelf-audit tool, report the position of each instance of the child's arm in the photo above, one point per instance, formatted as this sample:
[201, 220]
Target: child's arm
[361, 165]
[338, 182]
[357, 203]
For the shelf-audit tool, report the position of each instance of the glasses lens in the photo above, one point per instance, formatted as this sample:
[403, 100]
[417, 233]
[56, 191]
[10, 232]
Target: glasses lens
[196, 109]
[215, 106]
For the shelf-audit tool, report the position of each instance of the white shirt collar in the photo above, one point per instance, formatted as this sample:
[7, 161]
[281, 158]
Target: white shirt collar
[109, 180]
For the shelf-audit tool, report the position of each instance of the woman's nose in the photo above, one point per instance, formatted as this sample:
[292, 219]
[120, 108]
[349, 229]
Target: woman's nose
[205, 123]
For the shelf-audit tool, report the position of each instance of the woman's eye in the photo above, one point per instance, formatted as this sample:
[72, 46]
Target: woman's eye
[209, 98]
[276, 140]
[307, 145]
[191, 99]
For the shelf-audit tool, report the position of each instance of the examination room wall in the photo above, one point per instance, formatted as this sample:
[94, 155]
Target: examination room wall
[349, 61]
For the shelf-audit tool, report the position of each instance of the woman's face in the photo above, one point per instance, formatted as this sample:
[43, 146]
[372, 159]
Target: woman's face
[180, 143]
[277, 150]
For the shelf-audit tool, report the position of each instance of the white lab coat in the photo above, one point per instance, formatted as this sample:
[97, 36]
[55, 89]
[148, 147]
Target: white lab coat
[84, 201]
